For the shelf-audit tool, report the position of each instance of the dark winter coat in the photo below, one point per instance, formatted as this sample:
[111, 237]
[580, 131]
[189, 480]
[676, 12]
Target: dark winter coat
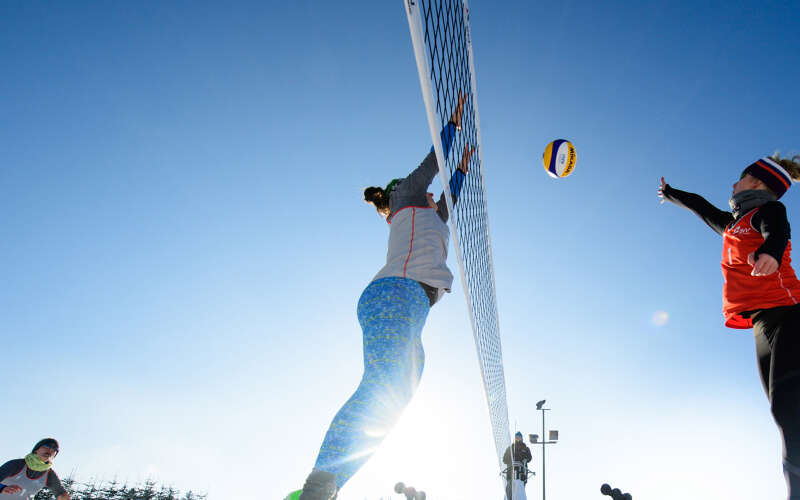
[521, 452]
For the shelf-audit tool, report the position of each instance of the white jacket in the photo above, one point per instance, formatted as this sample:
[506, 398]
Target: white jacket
[418, 241]
[418, 234]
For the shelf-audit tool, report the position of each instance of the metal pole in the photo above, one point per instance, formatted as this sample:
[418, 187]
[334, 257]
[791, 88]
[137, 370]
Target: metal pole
[544, 443]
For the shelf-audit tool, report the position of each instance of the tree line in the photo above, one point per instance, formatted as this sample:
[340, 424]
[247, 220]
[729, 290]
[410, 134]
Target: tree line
[114, 490]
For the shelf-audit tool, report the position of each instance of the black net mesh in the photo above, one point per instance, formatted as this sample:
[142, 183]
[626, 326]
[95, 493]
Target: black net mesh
[442, 28]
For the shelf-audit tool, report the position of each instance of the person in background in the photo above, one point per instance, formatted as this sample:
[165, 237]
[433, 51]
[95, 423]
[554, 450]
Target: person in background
[518, 452]
[25, 477]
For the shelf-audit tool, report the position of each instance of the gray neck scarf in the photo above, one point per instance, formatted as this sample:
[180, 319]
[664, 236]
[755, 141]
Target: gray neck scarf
[744, 201]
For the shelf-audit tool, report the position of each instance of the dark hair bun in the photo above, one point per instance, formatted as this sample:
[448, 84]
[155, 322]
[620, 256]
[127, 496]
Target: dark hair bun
[377, 196]
[373, 194]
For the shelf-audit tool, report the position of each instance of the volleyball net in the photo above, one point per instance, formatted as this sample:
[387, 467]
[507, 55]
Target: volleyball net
[443, 49]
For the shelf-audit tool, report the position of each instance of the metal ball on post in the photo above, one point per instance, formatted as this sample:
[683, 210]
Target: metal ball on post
[409, 491]
[614, 493]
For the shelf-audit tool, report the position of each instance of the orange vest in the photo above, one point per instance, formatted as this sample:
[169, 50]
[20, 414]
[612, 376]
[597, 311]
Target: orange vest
[742, 292]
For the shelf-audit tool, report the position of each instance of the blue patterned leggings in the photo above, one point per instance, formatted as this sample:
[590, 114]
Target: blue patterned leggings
[392, 312]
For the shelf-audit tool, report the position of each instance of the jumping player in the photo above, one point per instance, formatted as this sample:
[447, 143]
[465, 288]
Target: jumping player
[761, 290]
[392, 311]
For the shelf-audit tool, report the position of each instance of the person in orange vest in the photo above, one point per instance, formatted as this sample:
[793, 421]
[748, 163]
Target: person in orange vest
[761, 290]
[25, 477]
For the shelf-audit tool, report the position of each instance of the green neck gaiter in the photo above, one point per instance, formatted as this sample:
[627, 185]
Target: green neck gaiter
[391, 186]
[35, 463]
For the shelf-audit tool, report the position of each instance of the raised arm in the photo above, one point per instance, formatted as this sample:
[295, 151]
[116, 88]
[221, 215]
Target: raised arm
[715, 218]
[456, 182]
[418, 181]
[449, 131]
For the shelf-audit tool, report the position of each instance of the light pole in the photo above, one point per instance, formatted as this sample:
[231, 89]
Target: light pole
[534, 439]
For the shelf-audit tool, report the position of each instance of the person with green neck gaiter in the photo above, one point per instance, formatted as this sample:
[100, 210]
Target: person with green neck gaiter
[25, 477]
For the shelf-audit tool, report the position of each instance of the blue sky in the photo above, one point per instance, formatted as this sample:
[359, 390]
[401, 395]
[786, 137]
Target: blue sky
[185, 241]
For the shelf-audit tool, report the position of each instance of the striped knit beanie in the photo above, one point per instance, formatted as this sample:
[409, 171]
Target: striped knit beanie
[770, 173]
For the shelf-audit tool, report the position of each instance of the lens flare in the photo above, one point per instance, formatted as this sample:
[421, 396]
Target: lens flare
[660, 318]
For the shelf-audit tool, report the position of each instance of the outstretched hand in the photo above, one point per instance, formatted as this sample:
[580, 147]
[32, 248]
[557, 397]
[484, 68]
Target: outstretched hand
[764, 266]
[463, 165]
[11, 490]
[661, 189]
[459, 111]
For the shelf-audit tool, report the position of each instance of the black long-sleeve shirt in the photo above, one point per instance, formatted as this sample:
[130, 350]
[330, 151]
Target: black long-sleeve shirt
[13, 467]
[770, 220]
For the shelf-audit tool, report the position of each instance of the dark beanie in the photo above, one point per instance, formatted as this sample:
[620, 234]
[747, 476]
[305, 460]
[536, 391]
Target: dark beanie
[49, 442]
[770, 173]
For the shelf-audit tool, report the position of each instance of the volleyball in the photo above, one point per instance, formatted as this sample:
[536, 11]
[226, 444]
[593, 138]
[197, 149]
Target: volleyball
[559, 158]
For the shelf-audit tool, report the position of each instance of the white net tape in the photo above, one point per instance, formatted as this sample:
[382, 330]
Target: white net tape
[443, 50]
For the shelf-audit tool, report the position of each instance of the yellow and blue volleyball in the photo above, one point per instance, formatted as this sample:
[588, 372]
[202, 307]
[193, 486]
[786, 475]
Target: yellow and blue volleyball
[559, 158]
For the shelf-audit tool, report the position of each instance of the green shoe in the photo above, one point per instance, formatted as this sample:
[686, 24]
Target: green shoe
[293, 495]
